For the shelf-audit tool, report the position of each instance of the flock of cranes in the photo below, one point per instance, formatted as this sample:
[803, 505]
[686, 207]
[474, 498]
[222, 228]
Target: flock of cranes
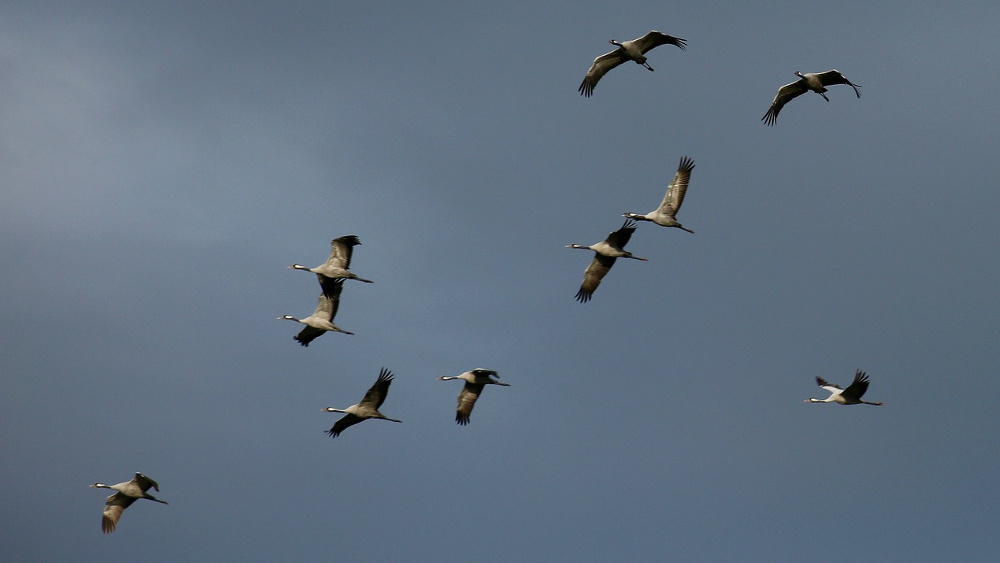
[636, 49]
[474, 379]
[336, 270]
[331, 275]
[612, 248]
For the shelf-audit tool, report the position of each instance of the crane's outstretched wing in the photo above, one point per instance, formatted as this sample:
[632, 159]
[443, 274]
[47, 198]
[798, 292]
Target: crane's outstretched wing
[655, 39]
[376, 394]
[834, 76]
[599, 68]
[341, 249]
[593, 275]
[113, 508]
[785, 94]
[346, 421]
[827, 385]
[621, 237]
[674, 197]
[857, 387]
[466, 400]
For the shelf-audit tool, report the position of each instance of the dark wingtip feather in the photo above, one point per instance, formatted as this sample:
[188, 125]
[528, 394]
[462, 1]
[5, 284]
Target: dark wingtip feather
[349, 240]
[385, 375]
[687, 164]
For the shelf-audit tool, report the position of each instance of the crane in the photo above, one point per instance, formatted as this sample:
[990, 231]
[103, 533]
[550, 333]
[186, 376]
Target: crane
[367, 408]
[321, 320]
[850, 396]
[605, 254]
[634, 50]
[815, 81]
[475, 380]
[336, 266]
[127, 493]
[666, 214]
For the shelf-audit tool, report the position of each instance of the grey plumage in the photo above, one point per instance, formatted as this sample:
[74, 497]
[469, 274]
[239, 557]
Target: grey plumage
[127, 493]
[321, 321]
[366, 408]
[850, 396]
[605, 254]
[338, 263]
[475, 381]
[814, 81]
[634, 50]
[666, 214]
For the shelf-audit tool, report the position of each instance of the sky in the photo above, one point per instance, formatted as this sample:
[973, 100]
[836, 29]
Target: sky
[163, 164]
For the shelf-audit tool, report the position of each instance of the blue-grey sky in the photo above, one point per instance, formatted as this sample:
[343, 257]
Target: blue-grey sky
[163, 163]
